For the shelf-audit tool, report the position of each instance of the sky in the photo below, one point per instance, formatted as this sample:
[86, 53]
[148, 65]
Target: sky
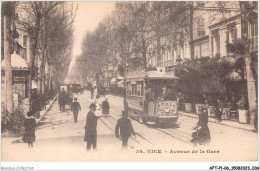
[88, 16]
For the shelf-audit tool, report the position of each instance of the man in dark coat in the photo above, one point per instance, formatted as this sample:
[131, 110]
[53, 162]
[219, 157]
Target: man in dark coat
[105, 107]
[126, 128]
[75, 107]
[62, 97]
[149, 96]
[219, 108]
[91, 128]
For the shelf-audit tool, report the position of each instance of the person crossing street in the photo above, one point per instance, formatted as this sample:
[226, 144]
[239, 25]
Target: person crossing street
[75, 107]
[126, 129]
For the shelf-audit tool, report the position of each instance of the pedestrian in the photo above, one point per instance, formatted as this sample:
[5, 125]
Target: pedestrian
[75, 107]
[149, 96]
[105, 107]
[30, 125]
[92, 92]
[61, 99]
[91, 128]
[201, 133]
[219, 108]
[126, 128]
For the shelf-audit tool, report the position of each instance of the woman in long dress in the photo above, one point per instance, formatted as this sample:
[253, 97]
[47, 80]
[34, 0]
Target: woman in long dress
[30, 125]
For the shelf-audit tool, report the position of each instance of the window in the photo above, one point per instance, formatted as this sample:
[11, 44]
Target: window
[200, 22]
[234, 34]
[212, 46]
[227, 40]
[25, 41]
[128, 88]
[217, 39]
[204, 49]
[134, 92]
[253, 28]
[140, 87]
[227, 36]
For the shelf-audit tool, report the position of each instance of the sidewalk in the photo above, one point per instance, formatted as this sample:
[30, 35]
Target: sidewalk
[42, 113]
[229, 123]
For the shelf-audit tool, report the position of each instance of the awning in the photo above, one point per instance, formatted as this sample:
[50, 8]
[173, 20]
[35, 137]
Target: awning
[17, 62]
[34, 84]
[121, 83]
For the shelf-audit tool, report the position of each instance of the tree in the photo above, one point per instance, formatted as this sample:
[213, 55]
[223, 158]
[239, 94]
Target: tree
[8, 17]
[249, 13]
[31, 15]
[49, 26]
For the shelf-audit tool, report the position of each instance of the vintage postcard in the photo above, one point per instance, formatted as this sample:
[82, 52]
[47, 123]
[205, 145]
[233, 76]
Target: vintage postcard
[129, 81]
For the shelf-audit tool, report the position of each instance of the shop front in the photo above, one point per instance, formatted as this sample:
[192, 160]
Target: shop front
[20, 74]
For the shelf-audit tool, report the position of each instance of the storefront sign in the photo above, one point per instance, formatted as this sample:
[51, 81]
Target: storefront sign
[19, 79]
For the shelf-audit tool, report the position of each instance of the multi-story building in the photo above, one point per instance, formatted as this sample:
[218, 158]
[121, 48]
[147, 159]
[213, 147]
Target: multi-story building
[224, 31]
[205, 14]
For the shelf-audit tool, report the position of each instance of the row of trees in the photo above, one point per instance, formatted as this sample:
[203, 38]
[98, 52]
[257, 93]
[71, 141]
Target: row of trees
[50, 30]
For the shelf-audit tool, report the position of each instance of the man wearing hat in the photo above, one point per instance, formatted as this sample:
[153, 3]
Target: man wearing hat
[91, 127]
[126, 128]
[75, 107]
[165, 94]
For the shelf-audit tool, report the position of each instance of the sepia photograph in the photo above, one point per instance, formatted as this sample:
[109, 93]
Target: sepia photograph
[129, 81]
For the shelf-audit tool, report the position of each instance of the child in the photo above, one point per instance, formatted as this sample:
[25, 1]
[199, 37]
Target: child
[105, 107]
[75, 107]
[30, 125]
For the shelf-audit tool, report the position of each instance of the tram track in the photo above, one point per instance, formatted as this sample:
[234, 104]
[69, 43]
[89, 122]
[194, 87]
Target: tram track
[111, 126]
[175, 134]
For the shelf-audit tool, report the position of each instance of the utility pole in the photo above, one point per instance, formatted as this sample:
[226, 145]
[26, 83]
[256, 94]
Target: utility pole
[8, 9]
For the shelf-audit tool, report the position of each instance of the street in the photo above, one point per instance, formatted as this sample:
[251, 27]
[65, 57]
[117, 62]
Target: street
[58, 138]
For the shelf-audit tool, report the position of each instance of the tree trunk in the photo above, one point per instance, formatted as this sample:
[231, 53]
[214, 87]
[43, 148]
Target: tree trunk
[7, 56]
[251, 86]
[43, 76]
[191, 31]
[251, 90]
[39, 90]
[34, 51]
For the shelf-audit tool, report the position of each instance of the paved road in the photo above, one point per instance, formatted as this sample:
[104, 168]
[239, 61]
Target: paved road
[58, 138]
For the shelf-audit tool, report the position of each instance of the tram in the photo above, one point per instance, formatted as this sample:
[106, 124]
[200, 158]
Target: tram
[162, 105]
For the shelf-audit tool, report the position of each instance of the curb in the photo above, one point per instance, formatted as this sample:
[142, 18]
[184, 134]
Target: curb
[220, 123]
[47, 109]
